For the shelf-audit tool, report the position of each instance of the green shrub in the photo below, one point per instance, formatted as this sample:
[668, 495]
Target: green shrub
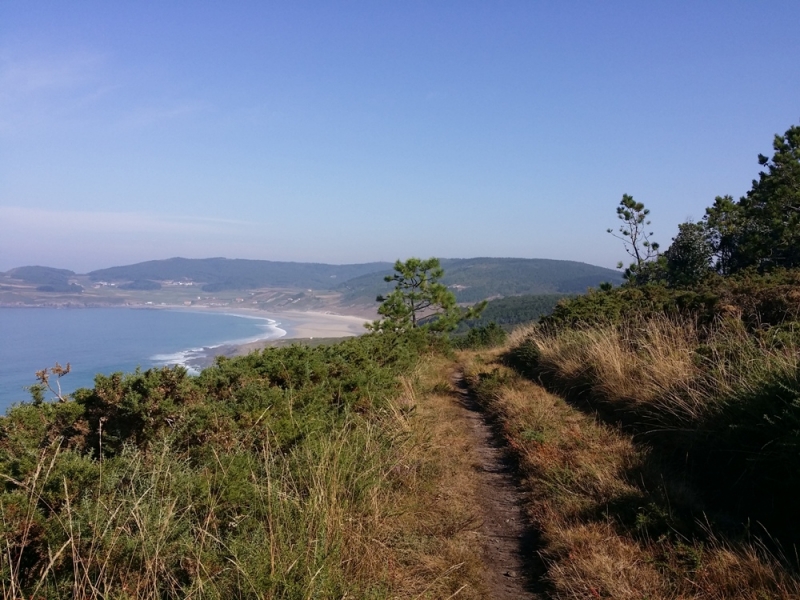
[258, 478]
[486, 336]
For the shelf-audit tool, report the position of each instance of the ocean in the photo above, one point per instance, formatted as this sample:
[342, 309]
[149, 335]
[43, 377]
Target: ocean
[107, 340]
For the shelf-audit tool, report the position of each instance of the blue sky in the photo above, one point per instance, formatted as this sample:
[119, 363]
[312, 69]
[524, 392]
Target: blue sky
[359, 131]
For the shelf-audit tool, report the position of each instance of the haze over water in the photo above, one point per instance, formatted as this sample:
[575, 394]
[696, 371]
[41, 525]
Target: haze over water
[107, 340]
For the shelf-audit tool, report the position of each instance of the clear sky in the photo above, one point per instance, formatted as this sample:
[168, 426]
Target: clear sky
[360, 131]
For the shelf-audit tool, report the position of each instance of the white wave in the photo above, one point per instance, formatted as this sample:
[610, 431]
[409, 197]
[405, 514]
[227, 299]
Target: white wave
[184, 358]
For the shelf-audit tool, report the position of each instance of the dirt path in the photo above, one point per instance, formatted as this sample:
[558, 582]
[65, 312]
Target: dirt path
[509, 544]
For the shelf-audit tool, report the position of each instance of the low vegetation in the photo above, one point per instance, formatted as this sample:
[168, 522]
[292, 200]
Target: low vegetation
[290, 473]
[617, 519]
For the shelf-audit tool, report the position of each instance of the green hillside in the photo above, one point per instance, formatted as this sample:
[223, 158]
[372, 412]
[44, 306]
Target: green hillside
[232, 274]
[47, 279]
[511, 311]
[40, 275]
[474, 279]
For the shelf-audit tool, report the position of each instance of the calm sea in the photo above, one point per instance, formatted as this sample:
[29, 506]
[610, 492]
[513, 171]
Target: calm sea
[106, 340]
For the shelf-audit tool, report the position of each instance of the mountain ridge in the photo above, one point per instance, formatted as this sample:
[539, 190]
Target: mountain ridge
[471, 279]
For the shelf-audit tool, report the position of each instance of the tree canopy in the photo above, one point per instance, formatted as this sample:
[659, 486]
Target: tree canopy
[634, 235]
[762, 229]
[419, 294]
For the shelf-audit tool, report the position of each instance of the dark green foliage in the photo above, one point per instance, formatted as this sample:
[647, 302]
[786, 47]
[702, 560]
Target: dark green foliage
[485, 336]
[419, 299]
[508, 312]
[771, 208]
[762, 230]
[723, 223]
[220, 475]
[141, 284]
[759, 299]
[688, 259]
[617, 304]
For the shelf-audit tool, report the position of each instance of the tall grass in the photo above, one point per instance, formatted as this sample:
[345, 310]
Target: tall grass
[671, 369]
[266, 477]
[616, 520]
[266, 524]
[722, 400]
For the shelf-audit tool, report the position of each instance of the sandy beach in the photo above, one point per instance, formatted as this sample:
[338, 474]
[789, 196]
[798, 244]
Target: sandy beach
[299, 325]
[318, 324]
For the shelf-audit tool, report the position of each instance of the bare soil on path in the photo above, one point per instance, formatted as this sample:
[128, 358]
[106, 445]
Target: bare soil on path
[513, 566]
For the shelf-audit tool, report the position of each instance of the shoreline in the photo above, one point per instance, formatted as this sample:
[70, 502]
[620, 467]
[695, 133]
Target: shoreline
[301, 325]
[296, 325]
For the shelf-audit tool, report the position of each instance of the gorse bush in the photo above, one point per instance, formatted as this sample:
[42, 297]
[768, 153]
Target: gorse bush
[759, 299]
[260, 478]
[485, 336]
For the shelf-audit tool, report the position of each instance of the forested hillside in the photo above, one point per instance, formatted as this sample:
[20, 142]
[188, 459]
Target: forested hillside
[512, 311]
[474, 279]
[222, 274]
[47, 279]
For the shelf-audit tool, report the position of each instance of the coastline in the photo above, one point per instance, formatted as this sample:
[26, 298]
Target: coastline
[284, 327]
[297, 325]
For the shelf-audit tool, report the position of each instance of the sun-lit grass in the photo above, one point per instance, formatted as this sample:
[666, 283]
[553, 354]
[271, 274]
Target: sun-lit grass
[617, 518]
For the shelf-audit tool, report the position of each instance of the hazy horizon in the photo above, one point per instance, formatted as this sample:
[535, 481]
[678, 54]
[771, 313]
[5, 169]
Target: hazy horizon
[357, 132]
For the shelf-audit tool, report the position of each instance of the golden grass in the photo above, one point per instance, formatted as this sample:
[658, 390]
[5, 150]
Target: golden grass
[601, 503]
[655, 362]
[433, 546]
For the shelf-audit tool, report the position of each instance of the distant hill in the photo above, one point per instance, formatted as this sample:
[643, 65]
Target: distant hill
[239, 274]
[41, 275]
[47, 279]
[514, 310]
[474, 279]
[471, 279]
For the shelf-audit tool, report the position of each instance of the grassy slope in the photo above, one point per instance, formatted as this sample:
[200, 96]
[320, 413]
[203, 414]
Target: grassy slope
[291, 473]
[617, 521]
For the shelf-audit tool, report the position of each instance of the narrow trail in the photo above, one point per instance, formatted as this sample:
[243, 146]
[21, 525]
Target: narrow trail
[509, 543]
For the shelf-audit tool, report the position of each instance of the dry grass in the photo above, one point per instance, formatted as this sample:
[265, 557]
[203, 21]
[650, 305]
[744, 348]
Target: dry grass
[655, 364]
[431, 529]
[609, 517]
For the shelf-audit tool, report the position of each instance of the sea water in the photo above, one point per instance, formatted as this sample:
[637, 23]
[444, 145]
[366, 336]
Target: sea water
[108, 340]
